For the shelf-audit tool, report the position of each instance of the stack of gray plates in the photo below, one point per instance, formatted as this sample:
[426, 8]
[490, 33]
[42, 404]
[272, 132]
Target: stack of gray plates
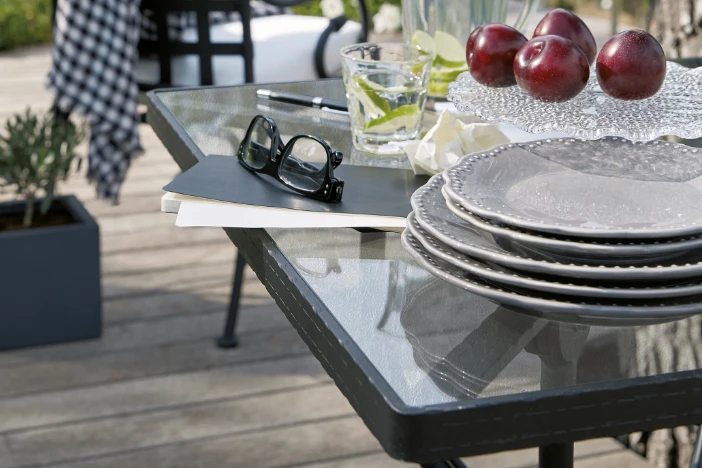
[604, 232]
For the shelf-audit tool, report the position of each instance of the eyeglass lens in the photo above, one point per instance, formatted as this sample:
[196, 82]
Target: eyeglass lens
[304, 164]
[258, 146]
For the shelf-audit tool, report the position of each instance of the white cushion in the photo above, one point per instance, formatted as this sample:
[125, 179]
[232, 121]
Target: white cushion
[283, 51]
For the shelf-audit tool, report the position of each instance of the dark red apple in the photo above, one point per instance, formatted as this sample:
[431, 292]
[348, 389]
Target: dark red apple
[491, 52]
[471, 42]
[560, 22]
[551, 68]
[631, 65]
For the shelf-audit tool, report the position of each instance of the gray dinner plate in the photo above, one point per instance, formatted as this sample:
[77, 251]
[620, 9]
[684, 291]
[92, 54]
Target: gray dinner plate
[434, 216]
[584, 312]
[522, 281]
[539, 246]
[609, 188]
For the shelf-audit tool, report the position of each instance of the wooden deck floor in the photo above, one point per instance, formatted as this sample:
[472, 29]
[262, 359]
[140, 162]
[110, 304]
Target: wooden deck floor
[155, 391]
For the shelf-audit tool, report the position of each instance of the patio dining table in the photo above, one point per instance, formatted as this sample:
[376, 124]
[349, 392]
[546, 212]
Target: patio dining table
[436, 373]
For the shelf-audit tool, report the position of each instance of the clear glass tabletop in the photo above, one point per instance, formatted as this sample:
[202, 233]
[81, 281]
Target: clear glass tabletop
[433, 343]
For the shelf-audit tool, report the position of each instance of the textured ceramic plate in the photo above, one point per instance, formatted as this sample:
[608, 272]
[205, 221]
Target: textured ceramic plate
[675, 110]
[436, 219]
[609, 188]
[585, 312]
[509, 279]
[604, 253]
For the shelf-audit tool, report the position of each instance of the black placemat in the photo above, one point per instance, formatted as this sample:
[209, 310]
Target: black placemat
[367, 190]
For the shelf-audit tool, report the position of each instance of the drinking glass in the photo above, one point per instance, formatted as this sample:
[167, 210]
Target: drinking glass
[386, 89]
[443, 27]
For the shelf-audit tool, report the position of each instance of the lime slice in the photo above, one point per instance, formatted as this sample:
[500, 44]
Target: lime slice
[380, 88]
[447, 75]
[423, 41]
[438, 89]
[404, 116]
[417, 69]
[449, 52]
[380, 104]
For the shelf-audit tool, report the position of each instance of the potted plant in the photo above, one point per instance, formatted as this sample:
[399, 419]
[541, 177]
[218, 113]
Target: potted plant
[49, 245]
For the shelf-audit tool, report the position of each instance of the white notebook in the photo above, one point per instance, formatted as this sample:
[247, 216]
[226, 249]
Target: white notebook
[201, 212]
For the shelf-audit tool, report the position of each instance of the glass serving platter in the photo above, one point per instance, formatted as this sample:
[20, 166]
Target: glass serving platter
[676, 110]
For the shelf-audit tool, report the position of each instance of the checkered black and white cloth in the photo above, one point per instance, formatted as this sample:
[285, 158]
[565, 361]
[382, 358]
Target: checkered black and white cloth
[93, 73]
[94, 54]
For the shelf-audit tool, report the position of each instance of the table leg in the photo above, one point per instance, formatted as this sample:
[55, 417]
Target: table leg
[228, 338]
[559, 347]
[556, 456]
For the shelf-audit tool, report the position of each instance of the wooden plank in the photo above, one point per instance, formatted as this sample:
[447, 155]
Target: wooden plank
[149, 334]
[122, 398]
[178, 303]
[597, 447]
[161, 238]
[79, 187]
[287, 446]
[130, 263]
[597, 453]
[6, 458]
[161, 303]
[133, 223]
[161, 166]
[155, 281]
[167, 303]
[620, 459]
[104, 368]
[607, 453]
[18, 101]
[142, 203]
[377, 459]
[178, 425]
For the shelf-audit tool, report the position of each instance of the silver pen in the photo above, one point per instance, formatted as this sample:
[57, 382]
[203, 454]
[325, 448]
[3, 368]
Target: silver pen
[302, 100]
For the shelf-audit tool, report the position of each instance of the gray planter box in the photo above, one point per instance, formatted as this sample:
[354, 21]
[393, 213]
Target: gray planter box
[50, 280]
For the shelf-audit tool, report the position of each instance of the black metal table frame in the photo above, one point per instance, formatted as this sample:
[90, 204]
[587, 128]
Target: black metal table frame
[551, 419]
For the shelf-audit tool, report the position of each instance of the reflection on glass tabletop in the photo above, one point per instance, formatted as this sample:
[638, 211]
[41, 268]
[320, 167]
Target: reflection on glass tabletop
[435, 343]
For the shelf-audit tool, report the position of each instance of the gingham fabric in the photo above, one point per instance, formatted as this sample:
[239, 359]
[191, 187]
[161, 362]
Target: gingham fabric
[94, 53]
[94, 56]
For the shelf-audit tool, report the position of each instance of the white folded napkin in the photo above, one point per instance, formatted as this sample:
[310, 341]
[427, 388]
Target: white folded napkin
[449, 139]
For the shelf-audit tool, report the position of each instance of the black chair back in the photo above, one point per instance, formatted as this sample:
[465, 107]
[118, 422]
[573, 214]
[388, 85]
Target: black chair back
[164, 49]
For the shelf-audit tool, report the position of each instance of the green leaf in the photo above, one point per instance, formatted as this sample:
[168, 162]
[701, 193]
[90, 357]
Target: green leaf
[47, 201]
[36, 151]
[24, 22]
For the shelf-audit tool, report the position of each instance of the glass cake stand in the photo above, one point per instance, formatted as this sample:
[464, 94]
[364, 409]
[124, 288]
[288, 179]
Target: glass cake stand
[676, 110]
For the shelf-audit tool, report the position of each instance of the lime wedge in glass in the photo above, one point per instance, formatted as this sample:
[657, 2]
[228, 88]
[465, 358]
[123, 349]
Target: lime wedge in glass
[378, 88]
[438, 89]
[406, 116]
[379, 105]
[423, 41]
[449, 52]
[447, 75]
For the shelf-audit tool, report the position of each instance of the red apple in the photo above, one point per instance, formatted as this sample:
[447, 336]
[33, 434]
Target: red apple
[631, 65]
[551, 68]
[560, 22]
[491, 52]
[471, 42]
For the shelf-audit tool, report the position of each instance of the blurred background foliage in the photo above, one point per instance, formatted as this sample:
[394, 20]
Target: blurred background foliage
[313, 8]
[630, 12]
[24, 22]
